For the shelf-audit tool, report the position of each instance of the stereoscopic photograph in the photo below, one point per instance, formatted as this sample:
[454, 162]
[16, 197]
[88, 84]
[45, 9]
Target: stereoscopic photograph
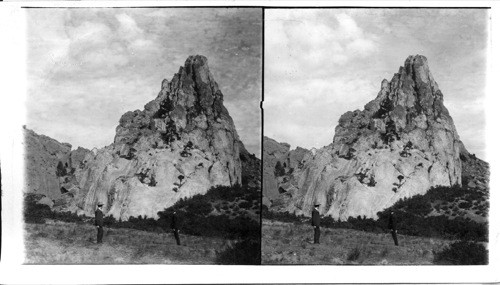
[374, 137]
[142, 136]
[308, 144]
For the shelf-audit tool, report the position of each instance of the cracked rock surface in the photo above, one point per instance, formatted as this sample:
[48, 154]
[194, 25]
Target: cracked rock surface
[400, 145]
[181, 144]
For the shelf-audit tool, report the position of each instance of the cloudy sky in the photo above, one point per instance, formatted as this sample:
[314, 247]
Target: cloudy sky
[86, 67]
[320, 64]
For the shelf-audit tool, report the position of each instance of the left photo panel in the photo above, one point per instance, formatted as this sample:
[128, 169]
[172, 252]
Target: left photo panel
[142, 136]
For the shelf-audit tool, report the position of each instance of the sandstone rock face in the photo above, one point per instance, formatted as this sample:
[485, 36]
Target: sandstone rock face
[181, 144]
[48, 164]
[400, 145]
[273, 152]
[250, 168]
[277, 157]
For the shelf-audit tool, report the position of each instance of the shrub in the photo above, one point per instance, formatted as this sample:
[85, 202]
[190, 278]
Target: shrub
[279, 170]
[463, 253]
[35, 213]
[245, 204]
[354, 254]
[464, 205]
[193, 214]
[246, 252]
[60, 169]
[411, 218]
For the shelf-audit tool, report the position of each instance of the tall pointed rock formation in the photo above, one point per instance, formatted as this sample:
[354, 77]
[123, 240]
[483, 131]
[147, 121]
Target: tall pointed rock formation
[400, 145]
[181, 144]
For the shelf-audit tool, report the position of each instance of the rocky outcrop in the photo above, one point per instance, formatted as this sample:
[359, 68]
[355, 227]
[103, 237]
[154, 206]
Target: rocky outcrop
[400, 145]
[250, 168]
[279, 161]
[49, 163]
[273, 152]
[182, 143]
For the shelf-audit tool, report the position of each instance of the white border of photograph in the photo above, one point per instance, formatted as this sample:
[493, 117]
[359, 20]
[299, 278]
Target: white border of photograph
[12, 74]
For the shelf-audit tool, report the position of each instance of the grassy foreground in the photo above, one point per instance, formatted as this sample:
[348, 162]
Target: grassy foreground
[287, 243]
[57, 242]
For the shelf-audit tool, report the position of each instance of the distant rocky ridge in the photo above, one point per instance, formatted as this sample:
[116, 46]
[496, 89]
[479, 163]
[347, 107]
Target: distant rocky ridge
[181, 144]
[277, 157]
[47, 164]
[403, 143]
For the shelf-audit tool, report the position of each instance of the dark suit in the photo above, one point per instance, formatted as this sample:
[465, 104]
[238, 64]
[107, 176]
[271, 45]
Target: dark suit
[315, 223]
[175, 229]
[392, 227]
[99, 222]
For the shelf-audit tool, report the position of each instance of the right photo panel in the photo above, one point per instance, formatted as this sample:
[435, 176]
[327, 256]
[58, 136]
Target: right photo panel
[374, 137]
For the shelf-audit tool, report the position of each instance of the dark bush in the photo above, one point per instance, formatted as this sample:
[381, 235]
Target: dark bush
[419, 205]
[281, 216]
[35, 213]
[464, 205]
[245, 205]
[243, 252]
[411, 218]
[354, 254]
[60, 169]
[463, 253]
[279, 170]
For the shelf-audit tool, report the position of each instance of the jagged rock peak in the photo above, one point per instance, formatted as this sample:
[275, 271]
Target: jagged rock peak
[412, 88]
[183, 143]
[400, 145]
[191, 100]
[194, 78]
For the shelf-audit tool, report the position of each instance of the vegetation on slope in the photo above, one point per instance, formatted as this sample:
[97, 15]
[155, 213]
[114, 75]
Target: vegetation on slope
[415, 216]
[224, 212]
[443, 212]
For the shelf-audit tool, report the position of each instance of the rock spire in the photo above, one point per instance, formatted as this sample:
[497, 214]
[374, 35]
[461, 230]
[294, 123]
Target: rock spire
[400, 145]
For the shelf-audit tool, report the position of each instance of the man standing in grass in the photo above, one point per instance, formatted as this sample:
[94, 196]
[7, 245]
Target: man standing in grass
[315, 223]
[99, 222]
[174, 228]
[392, 227]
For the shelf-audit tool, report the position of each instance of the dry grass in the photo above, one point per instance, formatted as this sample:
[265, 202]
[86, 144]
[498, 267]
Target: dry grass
[70, 243]
[285, 243]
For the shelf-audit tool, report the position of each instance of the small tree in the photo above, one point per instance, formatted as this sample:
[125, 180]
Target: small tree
[279, 170]
[180, 178]
[60, 169]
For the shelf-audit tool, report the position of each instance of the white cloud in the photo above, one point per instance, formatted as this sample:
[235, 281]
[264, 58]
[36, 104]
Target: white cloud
[322, 63]
[128, 27]
[89, 33]
[304, 93]
[348, 29]
[302, 45]
[109, 61]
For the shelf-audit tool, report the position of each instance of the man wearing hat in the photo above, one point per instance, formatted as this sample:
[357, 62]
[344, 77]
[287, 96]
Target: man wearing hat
[315, 223]
[393, 228]
[175, 229]
[99, 222]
